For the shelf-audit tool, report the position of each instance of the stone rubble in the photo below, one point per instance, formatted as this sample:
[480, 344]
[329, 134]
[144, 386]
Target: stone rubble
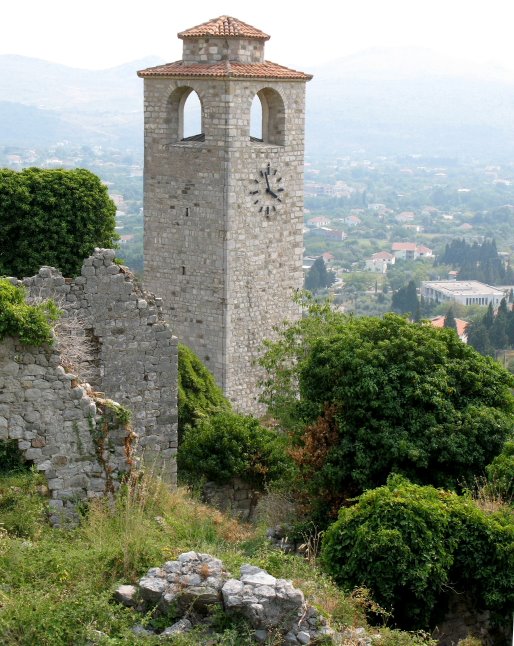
[192, 585]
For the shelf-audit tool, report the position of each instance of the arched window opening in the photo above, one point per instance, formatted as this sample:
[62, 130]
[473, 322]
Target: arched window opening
[273, 117]
[256, 119]
[192, 118]
[184, 118]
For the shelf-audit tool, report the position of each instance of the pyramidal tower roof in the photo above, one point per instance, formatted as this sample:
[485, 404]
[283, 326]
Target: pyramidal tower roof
[221, 57]
[224, 27]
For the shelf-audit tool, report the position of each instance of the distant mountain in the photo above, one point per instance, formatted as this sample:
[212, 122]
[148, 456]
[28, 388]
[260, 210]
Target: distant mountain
[104, 105]
[385, 101]
[24, 125]
[410, 100]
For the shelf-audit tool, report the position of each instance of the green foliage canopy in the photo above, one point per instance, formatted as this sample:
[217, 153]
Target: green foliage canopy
[500, 472]
[411, 398]
[52, 217]
[405, 300]
[408, 544]
[198, 393]
[30, 323]
[229, 445]
[318, 277]
[399, 397]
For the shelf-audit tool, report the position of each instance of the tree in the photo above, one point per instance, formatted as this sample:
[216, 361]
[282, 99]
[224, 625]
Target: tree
[498, 332]
[52, 217]
[449, 320]
[478, 338]
[405, 300]
[318, 277]
[395, 396]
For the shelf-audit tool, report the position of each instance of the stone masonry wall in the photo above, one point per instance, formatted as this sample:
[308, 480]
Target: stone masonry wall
[213, 50]
[226, 269]
[236, 497]
[134, 362]
[54, 421]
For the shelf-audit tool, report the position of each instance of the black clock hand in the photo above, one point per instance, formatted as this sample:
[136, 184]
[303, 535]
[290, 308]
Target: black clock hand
[268, 190]
[271, 193]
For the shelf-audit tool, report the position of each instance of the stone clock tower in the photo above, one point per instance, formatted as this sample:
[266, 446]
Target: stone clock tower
[223, 210]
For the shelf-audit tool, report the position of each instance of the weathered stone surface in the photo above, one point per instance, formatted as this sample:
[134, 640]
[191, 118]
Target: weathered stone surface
[181, 626]
[151, 588]
[126, 595]
[55, 418]
[195, 582]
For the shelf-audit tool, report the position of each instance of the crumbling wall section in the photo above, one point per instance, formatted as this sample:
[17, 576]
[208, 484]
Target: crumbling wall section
[67, 427]
[135, 354]
[57, 425]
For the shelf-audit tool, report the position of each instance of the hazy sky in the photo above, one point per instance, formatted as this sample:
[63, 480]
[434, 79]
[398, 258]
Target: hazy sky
[104, 33]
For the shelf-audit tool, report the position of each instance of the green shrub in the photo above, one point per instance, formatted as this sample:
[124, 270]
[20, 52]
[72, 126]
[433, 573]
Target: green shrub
[408, 543]
[229, 445]
[500, 473]
[30, 323]
[198, 393]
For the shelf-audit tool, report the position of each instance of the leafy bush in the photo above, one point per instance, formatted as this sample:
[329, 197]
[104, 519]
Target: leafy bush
[389, 396]
[407, 543]
[500, 473]
[52, 217]
[30, 323]
[198, 393]
[229, 445]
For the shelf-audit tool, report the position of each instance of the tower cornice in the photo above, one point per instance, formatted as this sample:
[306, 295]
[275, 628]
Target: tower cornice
[225, 69]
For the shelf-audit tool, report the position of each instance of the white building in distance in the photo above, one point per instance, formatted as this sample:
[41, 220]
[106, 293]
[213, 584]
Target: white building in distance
[465, 292]
[379, 262]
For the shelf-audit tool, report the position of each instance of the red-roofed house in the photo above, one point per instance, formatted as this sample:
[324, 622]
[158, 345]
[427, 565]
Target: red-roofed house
[410, 251]
[405, 216]
[424, 252]
[352, 220]
[438, 321]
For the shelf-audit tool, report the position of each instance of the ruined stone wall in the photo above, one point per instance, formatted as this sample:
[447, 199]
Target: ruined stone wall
[237, 497]
[133, 361]
[56, 424]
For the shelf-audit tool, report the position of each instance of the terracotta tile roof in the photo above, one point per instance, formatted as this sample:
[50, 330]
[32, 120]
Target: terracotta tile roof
[226, 27]
[403, 246]
[438, 321]
[224, 69]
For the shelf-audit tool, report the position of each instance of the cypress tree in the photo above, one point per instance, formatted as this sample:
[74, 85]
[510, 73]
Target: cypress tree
[449, 320]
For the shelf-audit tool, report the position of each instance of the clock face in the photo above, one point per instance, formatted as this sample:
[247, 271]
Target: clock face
[267, 191]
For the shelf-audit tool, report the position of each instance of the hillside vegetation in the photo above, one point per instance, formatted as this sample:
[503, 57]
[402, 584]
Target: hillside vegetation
[57, 584]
